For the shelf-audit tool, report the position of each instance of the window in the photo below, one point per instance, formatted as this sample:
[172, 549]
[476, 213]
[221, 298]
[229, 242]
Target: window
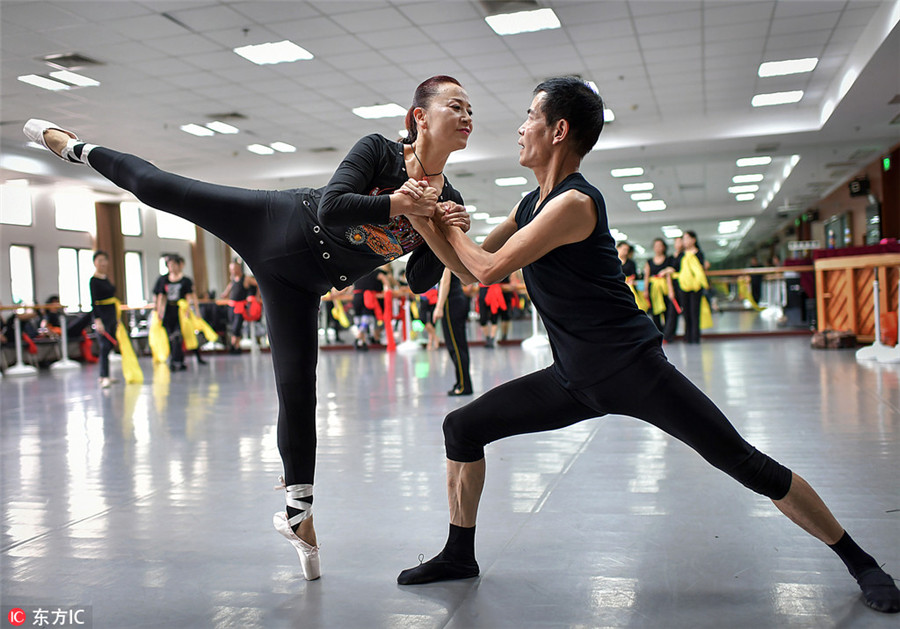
[75, 212]
[134, 278]
[15, 203]
[171, 226]
[76, 266]
[130, 215]
[21, 272]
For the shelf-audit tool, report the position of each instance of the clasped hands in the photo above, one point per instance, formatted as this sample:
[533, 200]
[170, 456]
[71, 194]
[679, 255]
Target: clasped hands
[425, 205]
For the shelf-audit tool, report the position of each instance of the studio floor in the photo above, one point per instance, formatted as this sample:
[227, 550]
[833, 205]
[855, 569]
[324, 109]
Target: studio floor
[152, 503]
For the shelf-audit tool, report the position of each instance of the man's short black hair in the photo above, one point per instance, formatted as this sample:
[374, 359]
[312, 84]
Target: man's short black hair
[571, 99]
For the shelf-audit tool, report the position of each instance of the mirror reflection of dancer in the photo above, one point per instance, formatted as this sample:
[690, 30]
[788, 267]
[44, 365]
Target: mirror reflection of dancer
[239, 287]
[603, 347]
[452, 310]
[299, 243]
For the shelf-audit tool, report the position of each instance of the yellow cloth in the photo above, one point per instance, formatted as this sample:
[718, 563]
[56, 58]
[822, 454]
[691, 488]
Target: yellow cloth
[158, 339]
[131, 368]
[339, 314]
[706, 321]
[659, 290]
[639, 298]
[745, 293]
[190, 324]
[691, 276]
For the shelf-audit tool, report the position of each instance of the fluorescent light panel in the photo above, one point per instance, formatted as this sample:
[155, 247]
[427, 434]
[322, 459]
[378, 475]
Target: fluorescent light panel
[672, 231]
[637, 171]
[776, 98]
[195, 129]
[608, 115]
[656, 205]
[283, 147]
[761, 160]
[480, 216]
[788, 66]
[43, 82]
[523, 22]
[747, 178]
[274, 52]
[222, 127]
[260, 149]
[638, 187]
[510, 181]
[749, 196]
[742, 189]
[729, 227]
[391, 110]
[74, 79]
[495, 220]
[641, 196]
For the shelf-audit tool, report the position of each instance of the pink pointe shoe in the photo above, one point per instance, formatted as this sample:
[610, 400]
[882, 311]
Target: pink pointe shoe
[34, 131]
[308, 554]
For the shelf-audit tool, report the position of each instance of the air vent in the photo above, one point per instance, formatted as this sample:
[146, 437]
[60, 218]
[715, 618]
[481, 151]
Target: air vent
[818, 184]
[767, 148]
[692, 186]
[323, 149]
[493, 7]
[233, 115]
[70, 61]
[830, 165]
[895, 100]
[463, 175]
[896, 119]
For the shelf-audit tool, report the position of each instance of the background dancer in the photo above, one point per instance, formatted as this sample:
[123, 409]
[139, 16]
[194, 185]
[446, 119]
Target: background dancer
[604, 348]
[299, 243]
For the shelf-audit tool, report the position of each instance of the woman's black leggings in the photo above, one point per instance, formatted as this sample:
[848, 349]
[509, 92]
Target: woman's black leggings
[665, 398]
[266, 229]
[104, 345]
[456, 313]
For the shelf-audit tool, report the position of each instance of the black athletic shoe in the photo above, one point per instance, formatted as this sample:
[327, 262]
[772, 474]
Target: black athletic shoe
[879, 590]
[438, 569]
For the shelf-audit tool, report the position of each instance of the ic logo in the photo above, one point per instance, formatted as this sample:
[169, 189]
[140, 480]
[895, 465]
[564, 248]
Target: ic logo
[16, 617]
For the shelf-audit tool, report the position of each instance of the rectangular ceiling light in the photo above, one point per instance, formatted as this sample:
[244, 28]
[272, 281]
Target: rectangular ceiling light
[495, 220]
[776, 98]
[638, 187]
[672, 231]
[283, 147]
[195, 129]
[221, 127]
[391, 110]
[789, 66]
[747, 178]
[44, 82]
[762, 160]
[637, 171]
[652, 206]
[742, 189]
[510, 181]
[523, 22]
[74, 79]
[749, 196]
[729, 227]
[641, 196]
[274, 52]
[259, 149]
[608, 115]
[480, 216]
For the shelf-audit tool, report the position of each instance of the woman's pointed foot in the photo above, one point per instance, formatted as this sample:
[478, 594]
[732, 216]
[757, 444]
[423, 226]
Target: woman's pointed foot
[58, 141]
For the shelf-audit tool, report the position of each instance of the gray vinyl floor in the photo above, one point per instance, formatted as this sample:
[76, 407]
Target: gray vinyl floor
[152, 504]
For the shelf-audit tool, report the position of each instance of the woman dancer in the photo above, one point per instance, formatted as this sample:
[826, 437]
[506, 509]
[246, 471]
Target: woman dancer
[692, 265]
[299, 243]
[603, 348]
[658, 291]
[104, 312]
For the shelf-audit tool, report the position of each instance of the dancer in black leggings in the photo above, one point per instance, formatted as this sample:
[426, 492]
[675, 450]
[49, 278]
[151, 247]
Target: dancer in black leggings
[299, 243]
[452, 309]
[603, 347]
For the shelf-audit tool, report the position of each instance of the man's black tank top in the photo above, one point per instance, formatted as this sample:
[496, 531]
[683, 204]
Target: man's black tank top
[595, 328]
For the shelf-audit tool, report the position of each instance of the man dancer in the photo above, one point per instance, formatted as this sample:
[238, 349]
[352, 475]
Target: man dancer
[602, 344]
